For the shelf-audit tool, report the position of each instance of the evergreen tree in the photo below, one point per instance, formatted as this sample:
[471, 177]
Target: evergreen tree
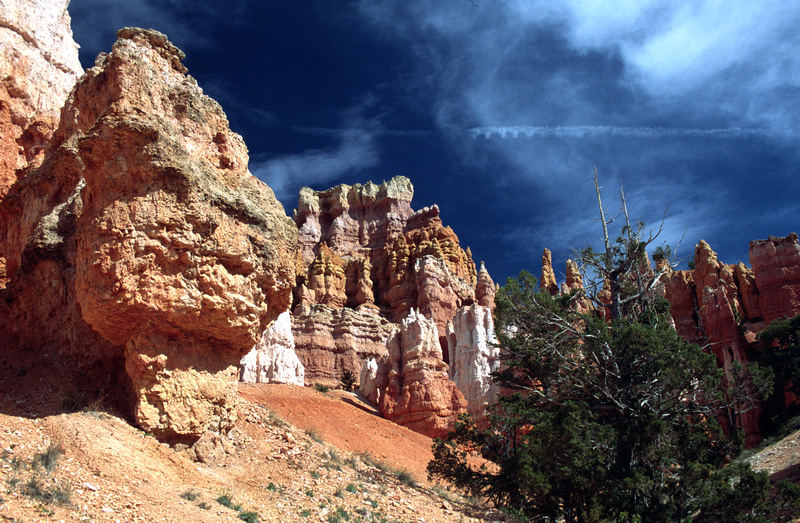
[605, 416]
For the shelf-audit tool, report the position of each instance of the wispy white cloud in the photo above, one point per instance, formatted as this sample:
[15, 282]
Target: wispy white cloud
[355, 150]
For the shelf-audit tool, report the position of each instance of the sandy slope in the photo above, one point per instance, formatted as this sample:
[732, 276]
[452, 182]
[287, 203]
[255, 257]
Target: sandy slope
[115, 472]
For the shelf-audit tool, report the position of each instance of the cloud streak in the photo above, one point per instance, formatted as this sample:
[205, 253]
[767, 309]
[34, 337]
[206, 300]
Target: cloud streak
[581, 131]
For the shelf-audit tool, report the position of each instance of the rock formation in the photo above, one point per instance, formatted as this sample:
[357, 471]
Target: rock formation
[548, 280]
[411, 384]
[38, 67]
[145, 225]
[474, 355]
[486, 289]
[273, 359]
[363, 244]
[776, 270]
[330, 341]
[366, 260]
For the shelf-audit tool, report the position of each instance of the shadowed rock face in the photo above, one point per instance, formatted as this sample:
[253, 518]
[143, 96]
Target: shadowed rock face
[169, 248]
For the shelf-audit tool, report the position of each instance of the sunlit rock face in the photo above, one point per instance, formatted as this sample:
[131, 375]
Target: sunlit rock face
[150, 240]
[776, 271]
[365, 261]
[273, 359]
[411, 383]
[474, 355]
[38, 67]
[330, 342]
[725, 306]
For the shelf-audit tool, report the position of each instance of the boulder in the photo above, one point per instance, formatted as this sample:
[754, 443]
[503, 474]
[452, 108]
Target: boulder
[143, 236]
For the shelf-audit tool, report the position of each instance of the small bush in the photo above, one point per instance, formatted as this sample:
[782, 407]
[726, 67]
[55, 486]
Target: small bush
[310, 493]
[315, 474]
[351, 488]
[58, 494]
[48, 458]
[250, 517]
[334, 456]
[347, 380]
[321, 388]
[338, 516]
[339, 493]
[272, 487]
[226, 501]
[190, 495]
[203, 505]
[405, 477]
[305, 513]
[311, 433]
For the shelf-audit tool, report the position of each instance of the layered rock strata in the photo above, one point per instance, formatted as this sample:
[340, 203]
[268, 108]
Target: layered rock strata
[410, 384]
[330, 341]
[159, 236]
[273, 359]
[474, 356]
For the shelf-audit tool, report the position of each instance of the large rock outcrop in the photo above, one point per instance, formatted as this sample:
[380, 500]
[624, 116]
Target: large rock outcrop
[410, 384]
[273, 359]
[363, 244]
[474, 355]
[159, 238]
[38, 67]
[365, 261]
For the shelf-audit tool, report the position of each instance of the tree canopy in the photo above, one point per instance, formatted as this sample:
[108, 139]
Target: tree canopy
[605, 415]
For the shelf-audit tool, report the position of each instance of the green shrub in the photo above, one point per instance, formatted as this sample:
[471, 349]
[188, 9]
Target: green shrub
[49, 457]
[321, 388]
[250, 517]
[347, 380]
[58, 494]
[226, 501]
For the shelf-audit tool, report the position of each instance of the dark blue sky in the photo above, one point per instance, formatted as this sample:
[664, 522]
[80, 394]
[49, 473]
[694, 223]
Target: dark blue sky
[498, 110]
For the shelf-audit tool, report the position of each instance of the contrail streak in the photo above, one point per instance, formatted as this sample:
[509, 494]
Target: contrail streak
[581, 131]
